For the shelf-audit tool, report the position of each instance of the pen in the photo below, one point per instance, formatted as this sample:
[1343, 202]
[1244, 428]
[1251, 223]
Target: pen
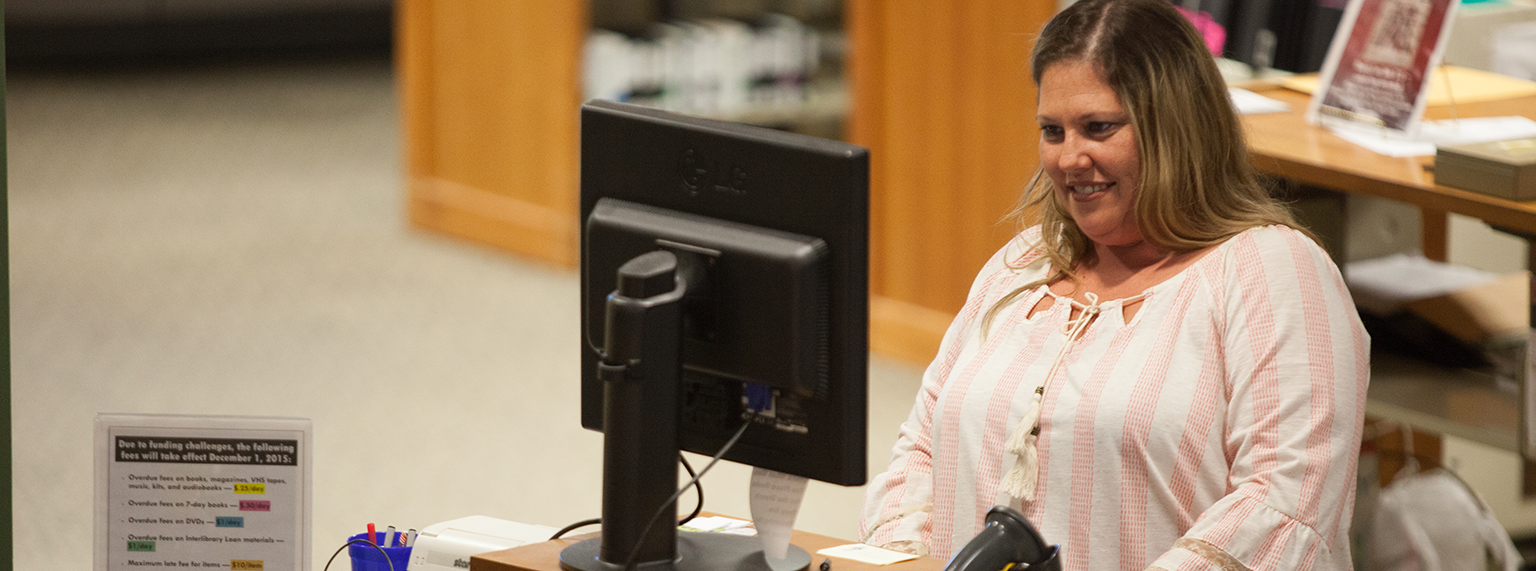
[410, 538]
[371, 536]
[389, 536]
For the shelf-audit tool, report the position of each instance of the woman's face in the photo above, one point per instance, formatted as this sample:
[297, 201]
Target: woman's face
[1088, 148]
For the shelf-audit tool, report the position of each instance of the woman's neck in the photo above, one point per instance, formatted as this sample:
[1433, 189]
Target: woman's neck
[1130, 259]
[1119, 272]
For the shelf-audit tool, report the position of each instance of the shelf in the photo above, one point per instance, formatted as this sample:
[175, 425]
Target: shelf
[1467, 404]
[824, 102]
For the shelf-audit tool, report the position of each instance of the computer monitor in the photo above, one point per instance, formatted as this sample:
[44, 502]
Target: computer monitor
[743, 301]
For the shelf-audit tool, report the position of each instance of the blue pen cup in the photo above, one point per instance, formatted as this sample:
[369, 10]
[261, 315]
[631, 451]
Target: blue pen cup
[367, 558]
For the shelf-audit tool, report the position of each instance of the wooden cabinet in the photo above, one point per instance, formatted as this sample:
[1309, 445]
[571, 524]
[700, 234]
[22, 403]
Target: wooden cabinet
[943, 99]
[489, 90]
[941, 95]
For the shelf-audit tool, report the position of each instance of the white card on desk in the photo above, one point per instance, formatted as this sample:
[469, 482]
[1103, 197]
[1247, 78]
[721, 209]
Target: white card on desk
[867, 554]
[716, 523]
[1250, 103]
[1444, 132]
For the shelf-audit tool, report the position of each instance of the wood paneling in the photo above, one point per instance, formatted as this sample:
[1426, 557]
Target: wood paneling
[906, 330]
[943, 99]
[490, 92]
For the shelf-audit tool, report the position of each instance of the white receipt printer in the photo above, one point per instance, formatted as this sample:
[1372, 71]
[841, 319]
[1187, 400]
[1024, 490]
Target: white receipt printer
[447, 546]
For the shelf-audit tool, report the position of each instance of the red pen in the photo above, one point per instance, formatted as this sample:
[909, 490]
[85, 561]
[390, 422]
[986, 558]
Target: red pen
[371, 536]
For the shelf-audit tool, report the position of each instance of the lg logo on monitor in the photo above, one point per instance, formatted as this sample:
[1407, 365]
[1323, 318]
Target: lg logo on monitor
[703, 174]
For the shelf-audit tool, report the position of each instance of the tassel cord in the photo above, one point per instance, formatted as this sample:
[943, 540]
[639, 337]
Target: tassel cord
[1021, 480]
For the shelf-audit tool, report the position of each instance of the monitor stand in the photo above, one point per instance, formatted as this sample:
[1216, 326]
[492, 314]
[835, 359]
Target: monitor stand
[641, 370]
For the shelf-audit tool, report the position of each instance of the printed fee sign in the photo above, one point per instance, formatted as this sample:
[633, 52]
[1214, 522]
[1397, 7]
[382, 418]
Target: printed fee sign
[209, 492]
[1376, 75]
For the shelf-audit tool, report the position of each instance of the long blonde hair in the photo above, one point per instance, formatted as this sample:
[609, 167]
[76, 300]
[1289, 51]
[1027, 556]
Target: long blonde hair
[1197, 186]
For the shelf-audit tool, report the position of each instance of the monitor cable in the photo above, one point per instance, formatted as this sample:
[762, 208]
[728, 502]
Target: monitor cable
[577, 525]
[363, 541]
[630, 562]
[697, 507]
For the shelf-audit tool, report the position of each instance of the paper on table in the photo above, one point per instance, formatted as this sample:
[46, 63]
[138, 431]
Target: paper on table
[867, 554]
[716, 523]
[1485, 313]
[775, 500]
[1467, 85]
[1477, 130]
[1384, 145]
[1446, 132]
[1250, 103]
[1383, 285]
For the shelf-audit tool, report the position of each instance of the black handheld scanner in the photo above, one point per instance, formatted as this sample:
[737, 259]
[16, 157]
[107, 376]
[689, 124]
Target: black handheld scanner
[1007, 542]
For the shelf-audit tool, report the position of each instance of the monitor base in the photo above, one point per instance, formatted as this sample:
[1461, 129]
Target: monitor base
[696, 551]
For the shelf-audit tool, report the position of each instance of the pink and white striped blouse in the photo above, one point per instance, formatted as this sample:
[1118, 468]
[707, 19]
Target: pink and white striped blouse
[1219, 427]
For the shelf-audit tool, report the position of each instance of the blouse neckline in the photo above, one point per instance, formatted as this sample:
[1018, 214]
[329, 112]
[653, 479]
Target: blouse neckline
[1150, 291]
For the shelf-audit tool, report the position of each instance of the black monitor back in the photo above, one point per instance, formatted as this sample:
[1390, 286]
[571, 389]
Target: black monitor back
[653, 166]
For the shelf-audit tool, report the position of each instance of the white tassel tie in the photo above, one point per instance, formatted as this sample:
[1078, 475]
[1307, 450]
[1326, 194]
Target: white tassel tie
[1021, 479]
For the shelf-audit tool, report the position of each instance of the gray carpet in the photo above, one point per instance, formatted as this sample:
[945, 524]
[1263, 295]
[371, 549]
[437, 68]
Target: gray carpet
[230, 240]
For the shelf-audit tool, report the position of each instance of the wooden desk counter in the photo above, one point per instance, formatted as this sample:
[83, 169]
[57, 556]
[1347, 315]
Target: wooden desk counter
[546, 556]
[1284, 145]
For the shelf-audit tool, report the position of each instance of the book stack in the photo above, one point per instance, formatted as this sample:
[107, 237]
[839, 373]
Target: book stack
[1506, 169]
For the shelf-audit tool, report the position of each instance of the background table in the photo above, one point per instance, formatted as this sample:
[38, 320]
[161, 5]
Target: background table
[1462, 403]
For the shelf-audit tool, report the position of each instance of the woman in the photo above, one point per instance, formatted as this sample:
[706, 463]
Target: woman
[1163, 370]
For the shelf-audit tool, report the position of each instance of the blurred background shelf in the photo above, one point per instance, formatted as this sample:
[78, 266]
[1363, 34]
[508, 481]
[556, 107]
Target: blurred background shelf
[939, 92]
[1466, 403]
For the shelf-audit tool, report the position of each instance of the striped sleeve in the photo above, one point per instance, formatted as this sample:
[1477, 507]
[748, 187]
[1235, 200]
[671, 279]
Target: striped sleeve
[898, 503]
[1297, 362]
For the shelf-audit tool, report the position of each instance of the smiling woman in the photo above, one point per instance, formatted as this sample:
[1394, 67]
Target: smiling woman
[1162, 369]
[1088, 149]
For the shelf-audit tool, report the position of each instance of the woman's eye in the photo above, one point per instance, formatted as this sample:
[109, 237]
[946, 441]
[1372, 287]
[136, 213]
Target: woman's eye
[1051, 132]
[1100, 127]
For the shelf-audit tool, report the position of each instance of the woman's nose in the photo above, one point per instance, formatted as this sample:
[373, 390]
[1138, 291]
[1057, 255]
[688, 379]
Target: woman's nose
[1074, 156]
